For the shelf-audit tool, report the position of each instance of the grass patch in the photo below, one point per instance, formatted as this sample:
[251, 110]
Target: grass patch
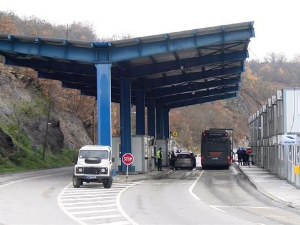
[26, 159]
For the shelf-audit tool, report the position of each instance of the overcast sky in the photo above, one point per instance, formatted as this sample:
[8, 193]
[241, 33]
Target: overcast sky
[276, 23]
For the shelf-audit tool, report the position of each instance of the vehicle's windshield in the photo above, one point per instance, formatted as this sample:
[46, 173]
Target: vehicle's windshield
[102, 154]
[184, 156]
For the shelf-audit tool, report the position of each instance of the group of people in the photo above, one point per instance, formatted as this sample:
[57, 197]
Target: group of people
[243, 157]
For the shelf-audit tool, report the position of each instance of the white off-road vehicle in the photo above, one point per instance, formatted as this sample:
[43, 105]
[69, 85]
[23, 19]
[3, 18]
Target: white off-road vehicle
[94, 164]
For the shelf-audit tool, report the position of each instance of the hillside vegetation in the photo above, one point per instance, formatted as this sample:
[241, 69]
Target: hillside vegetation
[25, 102]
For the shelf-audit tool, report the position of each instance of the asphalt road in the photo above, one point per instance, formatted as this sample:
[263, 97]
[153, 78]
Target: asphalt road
[180, 197]
[31, 198]
[215, 197]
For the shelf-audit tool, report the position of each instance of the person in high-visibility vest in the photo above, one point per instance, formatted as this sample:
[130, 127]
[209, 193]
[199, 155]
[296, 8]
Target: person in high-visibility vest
[159, 159]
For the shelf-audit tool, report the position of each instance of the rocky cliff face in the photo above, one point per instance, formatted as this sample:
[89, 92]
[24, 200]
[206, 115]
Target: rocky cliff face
[22, 102]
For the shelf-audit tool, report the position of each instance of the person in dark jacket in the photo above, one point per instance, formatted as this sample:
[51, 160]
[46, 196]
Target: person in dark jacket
[240, 158]
[172, 159]
[244, 156]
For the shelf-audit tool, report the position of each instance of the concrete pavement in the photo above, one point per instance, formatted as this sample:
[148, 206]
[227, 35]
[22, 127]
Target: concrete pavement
[154, 174]
[272, 186]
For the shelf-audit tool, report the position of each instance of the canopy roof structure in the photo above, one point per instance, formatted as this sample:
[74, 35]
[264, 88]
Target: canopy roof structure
[179, 69]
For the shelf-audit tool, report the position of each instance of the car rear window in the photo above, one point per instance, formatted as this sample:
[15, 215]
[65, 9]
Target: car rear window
[184, 156]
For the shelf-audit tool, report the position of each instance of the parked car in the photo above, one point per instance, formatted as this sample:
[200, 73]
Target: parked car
[184, 160]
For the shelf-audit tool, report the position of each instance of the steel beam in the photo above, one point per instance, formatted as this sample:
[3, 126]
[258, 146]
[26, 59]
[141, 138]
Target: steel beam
[104, 104]
[140, 112]
[125, 118]
[166, 81]
[151, 116]
[194, 86]
[166, 122]
[146, 70]
[201, 100]
[105, 52]
[159, 120]
[197, 95]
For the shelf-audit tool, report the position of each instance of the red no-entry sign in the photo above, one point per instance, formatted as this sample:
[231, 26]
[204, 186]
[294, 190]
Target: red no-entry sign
[127, 159]
[249, 150]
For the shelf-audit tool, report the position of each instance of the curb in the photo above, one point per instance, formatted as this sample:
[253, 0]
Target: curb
[267, 194]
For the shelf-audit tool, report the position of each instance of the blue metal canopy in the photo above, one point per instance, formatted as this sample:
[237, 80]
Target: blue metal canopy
[161, 72]
[177, 69]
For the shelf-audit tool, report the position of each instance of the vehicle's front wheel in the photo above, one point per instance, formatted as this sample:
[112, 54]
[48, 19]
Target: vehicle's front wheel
[77, 182]
[107, 182]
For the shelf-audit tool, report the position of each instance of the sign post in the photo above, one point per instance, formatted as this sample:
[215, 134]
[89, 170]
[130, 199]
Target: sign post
[127, 159]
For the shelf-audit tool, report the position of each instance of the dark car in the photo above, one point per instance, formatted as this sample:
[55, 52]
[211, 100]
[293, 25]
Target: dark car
[184, 160]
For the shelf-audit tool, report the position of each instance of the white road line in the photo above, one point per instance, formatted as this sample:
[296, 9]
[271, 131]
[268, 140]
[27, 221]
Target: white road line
[121, 209]
[91, 206]
[99, 217]
[90, 195]
[87, 199]
[66, 211]
[115, 223]
[193, 185]
[216, 208]
[84, 203]
[94, 211]
[74, 202]
[243, 206]
[89, 192]
[32, 178]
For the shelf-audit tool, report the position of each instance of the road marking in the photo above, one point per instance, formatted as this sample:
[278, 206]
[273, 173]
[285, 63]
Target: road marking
[86, 199]
[94, 211]
[216, 208]
[124, 214]
[67, 193]
[84, 203]
[243, 206]
[160, 183]
[94, 204]
[115, 223]
[91, 206]
[64, 209]
[89, 195]
[99, 217]
[193, 185]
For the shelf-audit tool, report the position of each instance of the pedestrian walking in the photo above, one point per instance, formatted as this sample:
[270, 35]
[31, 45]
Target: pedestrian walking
[172, 159]
[240, 157]
[244, 156]
[159, 159]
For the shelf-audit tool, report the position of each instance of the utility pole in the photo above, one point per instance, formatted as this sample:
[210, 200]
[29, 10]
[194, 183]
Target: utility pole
[67, 31]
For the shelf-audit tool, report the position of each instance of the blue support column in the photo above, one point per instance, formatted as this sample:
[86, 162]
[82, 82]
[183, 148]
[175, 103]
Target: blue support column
[166, 123]
[140, 112]
[159, 121]
[151, 116]
[104, 103]
[125, 120]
